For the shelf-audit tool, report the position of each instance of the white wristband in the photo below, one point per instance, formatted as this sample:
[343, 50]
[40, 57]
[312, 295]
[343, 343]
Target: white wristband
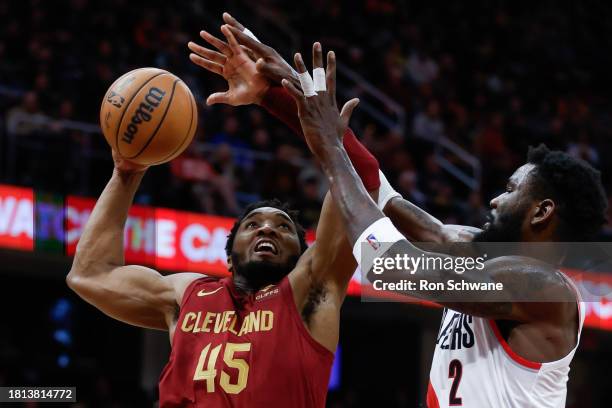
[385, 191]
[318, 76]
[306, 83]
[379, 236]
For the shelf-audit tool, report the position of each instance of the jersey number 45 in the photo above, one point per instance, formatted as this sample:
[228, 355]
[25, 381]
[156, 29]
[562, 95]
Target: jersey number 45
[210, 373]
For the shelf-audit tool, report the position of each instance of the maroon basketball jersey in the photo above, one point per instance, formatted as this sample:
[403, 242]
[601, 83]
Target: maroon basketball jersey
[236, 350]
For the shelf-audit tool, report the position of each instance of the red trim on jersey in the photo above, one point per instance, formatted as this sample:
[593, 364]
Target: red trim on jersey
[432, 398]
[534, 365]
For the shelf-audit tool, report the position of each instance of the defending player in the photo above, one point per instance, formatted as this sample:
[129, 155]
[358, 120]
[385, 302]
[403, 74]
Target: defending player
[264, 336]
[494, 353]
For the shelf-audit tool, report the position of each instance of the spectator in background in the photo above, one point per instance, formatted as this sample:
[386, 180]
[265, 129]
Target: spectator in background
[26, 118]
[582, 149]
[261, 140]
[421, 68]
[490, 146]
[407, 187]
[223, 183]
[230, 136]
[473, 212]
[279, 176]
[428, 125]
[433, 178]
[310, 197]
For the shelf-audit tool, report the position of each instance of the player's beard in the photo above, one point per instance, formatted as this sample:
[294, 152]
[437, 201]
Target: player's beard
[506, 229]
[257, 274]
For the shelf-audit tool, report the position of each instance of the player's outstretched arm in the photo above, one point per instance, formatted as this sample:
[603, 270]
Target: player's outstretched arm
[411, 220]
[323, 127]
[417, 224]
[133, 294]
[321, 277]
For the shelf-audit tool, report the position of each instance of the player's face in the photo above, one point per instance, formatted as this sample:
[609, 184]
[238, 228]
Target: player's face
[509, 210]
[267, 235]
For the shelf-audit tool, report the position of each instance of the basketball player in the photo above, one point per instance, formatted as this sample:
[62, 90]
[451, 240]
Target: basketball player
[492, 353]
[263, 337]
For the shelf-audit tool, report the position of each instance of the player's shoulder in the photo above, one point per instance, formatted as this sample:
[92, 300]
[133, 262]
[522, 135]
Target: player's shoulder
[184, 283]
[528, 275]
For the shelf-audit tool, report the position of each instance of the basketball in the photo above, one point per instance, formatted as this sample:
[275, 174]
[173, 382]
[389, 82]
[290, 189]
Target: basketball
[148, 116]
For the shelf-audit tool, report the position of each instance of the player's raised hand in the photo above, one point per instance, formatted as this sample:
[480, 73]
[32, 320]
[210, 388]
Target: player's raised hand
[322, 123]
[232, 61]
[268, 60]
[126, 166]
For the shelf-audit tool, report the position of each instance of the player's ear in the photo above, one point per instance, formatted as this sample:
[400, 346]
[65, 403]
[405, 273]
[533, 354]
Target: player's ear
[543, 212]
[229, 264]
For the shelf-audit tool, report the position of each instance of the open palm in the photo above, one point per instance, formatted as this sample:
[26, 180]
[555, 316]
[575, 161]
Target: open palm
[245, 84]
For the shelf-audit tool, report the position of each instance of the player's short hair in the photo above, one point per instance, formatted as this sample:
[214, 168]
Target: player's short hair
[274, 203]
[575, 187]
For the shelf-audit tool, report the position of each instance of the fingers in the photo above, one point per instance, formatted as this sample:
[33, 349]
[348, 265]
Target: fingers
[347, 111]
[318, 72]
[209, 54]
[299, 63]
[297, 95]
[268, 70]
[229, 35]
[206, 64]
[257, 47]
[306, 82]
[317, 55]
[218, 97]
[217, 43]
[249, 52]
[330, 75]
[232, 21]
[261, 65]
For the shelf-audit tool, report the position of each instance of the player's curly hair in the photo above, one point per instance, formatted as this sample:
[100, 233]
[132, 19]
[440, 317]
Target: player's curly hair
[575, 187]
[275, 203]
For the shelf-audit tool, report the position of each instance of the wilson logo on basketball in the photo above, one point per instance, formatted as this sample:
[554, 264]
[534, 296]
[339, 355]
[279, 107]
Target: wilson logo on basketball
[143, 114]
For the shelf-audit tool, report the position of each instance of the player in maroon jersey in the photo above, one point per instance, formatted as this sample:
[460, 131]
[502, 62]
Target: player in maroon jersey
[264, 336]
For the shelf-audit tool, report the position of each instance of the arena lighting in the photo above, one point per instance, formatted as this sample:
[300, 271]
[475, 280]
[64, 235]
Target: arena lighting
[336, 371]
[63, 337]
[63, 360]
[180, 241]
[60, 315]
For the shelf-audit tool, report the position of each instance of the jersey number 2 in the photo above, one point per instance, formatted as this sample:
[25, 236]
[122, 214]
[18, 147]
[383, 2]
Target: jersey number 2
[455, 369]
[210, 372]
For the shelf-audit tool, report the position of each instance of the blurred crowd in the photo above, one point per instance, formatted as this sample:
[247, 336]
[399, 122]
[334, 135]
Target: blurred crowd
[492, 78]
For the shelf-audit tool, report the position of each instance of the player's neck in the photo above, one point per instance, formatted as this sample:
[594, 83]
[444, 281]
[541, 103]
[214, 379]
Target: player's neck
[249, 286]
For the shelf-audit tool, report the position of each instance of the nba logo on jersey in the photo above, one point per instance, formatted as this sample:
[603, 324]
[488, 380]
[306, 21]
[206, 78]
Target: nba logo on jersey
[373, 241]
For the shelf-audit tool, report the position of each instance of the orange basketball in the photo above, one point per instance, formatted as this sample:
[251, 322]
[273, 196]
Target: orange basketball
[148, 116]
